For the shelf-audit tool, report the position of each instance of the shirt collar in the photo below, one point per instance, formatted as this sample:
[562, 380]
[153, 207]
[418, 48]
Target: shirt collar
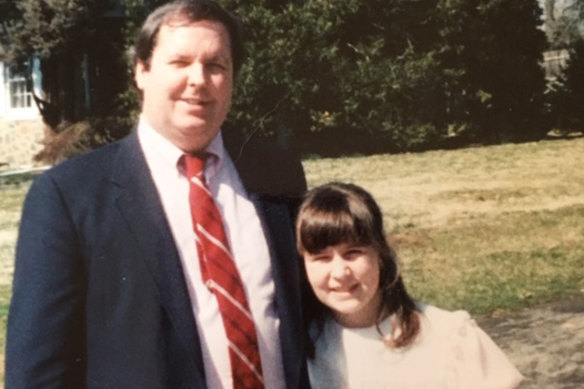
[166, 154]
[217, 156]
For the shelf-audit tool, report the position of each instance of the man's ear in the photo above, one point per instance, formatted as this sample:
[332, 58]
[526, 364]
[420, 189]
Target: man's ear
[140, 71]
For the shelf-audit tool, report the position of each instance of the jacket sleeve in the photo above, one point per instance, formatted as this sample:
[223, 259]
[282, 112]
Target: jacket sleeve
[45, 331]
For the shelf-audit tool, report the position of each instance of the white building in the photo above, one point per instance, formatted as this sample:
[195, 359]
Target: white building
[21, 127]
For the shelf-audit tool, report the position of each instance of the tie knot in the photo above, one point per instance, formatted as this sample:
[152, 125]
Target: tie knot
[194, 164]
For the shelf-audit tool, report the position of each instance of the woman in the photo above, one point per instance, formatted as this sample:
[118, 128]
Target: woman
[365, 331]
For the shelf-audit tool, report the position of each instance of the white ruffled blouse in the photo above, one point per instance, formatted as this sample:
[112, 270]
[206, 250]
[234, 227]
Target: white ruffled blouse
[451, 352]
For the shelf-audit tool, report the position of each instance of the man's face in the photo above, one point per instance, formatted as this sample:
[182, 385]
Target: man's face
[186, 91]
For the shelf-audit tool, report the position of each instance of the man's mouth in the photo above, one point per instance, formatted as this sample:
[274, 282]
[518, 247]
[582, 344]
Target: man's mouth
[194, 101]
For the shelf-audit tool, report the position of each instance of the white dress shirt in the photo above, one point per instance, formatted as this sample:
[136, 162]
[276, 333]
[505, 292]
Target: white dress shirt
[248, 244]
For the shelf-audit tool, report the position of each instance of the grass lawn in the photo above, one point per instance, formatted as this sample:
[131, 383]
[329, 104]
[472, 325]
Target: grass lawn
[483, 229]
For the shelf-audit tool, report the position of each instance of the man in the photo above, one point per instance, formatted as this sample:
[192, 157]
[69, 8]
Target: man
[115, 282]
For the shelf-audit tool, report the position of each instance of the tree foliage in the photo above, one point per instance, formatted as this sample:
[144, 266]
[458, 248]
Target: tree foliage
[82, 62]
[564, 22]
[394, 75]
[53, 28]
[567, 93]
[565, 30]
[507, 74]
[336, 76]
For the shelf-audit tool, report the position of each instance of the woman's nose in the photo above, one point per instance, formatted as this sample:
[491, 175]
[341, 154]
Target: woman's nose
[340, 268]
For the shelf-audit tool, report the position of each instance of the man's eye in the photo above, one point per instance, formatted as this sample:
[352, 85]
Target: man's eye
[216, 66]
[179, 62]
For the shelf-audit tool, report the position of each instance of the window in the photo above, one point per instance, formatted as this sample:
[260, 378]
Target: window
[17, 99]
[19, 95]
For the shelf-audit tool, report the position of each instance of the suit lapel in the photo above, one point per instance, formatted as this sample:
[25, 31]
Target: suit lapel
[141, 208]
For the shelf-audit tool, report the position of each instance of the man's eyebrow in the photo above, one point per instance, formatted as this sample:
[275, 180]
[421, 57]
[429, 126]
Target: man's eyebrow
[179, 56]
[212, 58]
[220, 57]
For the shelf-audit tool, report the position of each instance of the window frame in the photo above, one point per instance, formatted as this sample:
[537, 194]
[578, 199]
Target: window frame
[9, 112]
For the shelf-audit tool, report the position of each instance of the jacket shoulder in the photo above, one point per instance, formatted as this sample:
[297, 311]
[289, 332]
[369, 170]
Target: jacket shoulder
[268, 169]
[90, 165]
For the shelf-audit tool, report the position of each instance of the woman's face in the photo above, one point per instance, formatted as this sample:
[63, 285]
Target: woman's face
[345, 277]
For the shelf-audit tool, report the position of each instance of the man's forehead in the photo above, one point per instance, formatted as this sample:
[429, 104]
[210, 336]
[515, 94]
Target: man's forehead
[177, 21]
[211, 24]
[167, 30]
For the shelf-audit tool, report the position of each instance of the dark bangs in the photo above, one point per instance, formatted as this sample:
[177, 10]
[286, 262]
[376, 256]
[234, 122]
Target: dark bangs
[331, 217]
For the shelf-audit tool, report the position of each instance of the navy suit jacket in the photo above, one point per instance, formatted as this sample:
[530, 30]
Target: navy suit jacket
[99, 296]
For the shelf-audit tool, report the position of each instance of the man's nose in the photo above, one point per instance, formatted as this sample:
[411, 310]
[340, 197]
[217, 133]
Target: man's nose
[197, 74]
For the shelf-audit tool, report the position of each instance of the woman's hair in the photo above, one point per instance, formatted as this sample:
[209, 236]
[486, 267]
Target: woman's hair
[337, 213]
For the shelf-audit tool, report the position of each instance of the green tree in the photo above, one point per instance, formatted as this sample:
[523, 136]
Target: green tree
[335, 75]
[491, 51]
[564, 22]
[80, 44]
[567, 93]
[339, 77]
[380, 76]
[55, 32]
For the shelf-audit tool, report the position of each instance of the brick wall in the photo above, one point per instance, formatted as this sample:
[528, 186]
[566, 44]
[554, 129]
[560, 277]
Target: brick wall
[19, 142]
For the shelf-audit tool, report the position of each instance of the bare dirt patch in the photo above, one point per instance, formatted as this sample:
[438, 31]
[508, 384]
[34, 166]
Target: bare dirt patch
[546, 343]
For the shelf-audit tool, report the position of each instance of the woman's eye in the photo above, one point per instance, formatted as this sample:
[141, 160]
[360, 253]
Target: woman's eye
[354, 252]
[318, 258]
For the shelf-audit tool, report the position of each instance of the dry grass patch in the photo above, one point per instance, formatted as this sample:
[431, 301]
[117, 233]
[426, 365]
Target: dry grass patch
[433, 187]
[502, 262]
[483, 229]
[11, 198]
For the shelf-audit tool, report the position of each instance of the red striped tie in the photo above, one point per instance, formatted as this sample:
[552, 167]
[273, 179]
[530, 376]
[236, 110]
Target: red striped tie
[222, 278]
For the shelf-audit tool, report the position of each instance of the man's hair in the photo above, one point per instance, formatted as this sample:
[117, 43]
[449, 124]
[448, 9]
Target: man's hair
[184, 12]
[338, 213]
